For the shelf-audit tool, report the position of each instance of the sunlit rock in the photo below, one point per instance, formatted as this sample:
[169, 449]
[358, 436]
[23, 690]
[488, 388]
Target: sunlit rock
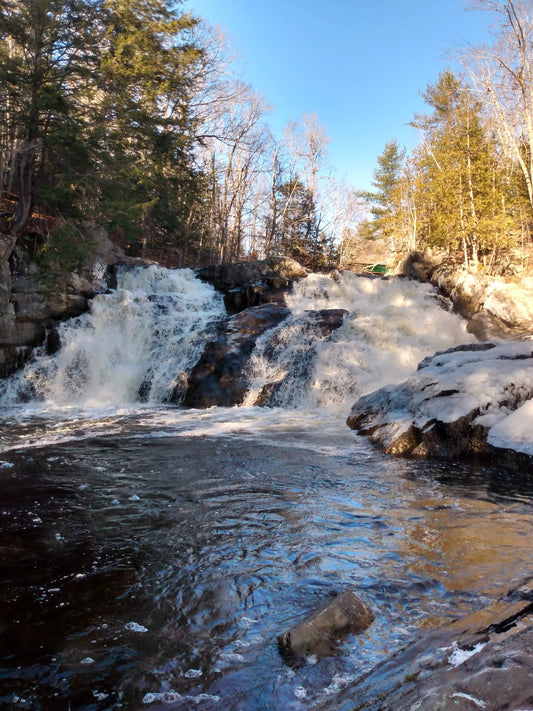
[470, 401]
[319, 633]
[512, 303]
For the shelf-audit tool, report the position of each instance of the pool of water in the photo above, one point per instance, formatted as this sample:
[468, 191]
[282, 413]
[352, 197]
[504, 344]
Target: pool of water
[149, 560]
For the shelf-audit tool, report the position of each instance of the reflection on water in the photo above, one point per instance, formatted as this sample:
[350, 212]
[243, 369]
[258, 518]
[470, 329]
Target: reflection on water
[146, 571]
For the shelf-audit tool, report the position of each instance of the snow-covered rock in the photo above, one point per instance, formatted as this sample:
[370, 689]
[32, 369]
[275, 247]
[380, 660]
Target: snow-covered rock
[474, 400]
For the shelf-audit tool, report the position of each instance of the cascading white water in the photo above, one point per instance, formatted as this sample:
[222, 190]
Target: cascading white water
[390, 327]
[137, 341]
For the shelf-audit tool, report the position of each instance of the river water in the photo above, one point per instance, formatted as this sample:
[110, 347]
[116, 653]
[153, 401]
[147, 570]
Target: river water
[150, 555]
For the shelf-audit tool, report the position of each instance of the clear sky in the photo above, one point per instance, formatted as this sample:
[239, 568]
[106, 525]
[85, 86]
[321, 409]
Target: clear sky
[359, 64]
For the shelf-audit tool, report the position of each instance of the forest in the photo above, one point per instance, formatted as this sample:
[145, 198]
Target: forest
[130, 114]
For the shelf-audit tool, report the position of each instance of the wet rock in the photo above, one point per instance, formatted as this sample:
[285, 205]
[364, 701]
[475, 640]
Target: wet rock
[12, 358]
[219, 378]
[319, 633]
[481, 661]
[317, 326]
[246, 284]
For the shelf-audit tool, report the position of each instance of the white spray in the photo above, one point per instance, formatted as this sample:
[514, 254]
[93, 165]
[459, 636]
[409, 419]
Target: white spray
[137, 342]
[390, 327]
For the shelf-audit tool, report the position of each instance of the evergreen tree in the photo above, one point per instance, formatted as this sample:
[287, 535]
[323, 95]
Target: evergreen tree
[142, 100]
[464, 195]
[382, 200]
[47, 55]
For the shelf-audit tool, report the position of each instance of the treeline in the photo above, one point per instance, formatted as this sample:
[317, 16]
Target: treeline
[127, 113]
[131, 114]
[467, 187]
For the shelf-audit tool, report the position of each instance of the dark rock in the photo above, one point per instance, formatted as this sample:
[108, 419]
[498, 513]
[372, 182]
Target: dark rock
[39, 307]
[418, 265]
[21, 333]
[246, 284]
[319, 633]
[12, 358]
[219, 377]
[481, 661]
[53, 341]
[225, 277]
[317, 326]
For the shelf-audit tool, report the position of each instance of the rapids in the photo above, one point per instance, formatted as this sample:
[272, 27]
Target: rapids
[151, 554]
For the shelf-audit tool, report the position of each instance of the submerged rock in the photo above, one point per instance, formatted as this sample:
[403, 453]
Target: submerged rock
[318, 634]
[471, 401]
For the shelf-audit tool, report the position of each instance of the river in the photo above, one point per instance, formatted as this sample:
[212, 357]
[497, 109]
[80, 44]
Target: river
[150, 555]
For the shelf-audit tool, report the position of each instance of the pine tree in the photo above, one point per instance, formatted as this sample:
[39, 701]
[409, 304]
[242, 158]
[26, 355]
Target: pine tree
[147, 68]
[47, 52]
[464, 196]
[382, 200]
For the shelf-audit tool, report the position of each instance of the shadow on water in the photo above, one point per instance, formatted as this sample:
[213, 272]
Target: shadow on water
[156, 572]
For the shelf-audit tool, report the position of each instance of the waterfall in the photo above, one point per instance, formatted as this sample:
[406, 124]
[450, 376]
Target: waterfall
[138, 343]
[391, 325]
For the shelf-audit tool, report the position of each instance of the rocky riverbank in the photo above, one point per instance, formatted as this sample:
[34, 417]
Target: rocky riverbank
[482, 661]
[31, 303]
[494, 308]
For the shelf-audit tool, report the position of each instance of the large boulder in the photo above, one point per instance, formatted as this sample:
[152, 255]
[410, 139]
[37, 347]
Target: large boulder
[246, 284]
[230, 276]
[471, 401]
[219, 377]
[315, 326]
[511, 303]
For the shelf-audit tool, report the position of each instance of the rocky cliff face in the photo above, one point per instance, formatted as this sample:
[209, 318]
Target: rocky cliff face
[30, 307]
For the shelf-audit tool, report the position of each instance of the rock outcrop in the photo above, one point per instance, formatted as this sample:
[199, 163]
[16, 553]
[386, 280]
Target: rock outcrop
[471, 401]
[481, 661]
[221, 375]
[319, 633]
[494, 308]
[31, 306]
[246, 284]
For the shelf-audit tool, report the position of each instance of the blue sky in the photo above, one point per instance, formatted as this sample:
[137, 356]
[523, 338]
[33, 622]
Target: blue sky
[359, 64]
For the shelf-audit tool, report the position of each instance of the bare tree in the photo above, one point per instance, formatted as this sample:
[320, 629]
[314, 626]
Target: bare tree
[503, 74]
